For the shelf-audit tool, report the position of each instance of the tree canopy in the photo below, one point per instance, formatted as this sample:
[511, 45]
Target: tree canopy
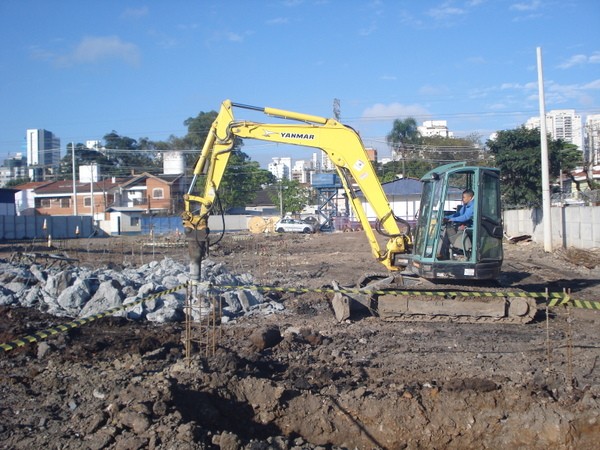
[518, 156]
[241, 180]
[415, 155]
[294, 196]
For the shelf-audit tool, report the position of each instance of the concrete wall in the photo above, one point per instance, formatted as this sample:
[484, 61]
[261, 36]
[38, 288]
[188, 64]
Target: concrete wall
[173, 224]
[32, 227]
[572, 226]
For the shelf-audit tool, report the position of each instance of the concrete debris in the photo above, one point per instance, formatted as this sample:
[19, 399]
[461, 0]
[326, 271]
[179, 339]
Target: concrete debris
[81, 292]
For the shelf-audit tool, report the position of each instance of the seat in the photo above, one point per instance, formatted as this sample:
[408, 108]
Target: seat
[462, 243]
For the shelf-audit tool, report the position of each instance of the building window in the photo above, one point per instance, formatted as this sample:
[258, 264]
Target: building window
[65, 202]
[134, 221]
[45, 203]
[87, 201]
[158, 193]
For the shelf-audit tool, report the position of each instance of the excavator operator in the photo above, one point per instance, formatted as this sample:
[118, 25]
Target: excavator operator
[456, 224]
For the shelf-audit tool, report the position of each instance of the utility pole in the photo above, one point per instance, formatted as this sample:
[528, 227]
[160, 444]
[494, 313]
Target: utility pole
[92, 189]
[546, 206]
[74, 179]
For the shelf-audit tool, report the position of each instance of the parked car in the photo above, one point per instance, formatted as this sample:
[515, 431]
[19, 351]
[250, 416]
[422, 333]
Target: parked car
[288, 225]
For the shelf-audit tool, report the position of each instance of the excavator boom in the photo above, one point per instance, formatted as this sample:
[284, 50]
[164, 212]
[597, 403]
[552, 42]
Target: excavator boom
[341, 143]
[477, 255]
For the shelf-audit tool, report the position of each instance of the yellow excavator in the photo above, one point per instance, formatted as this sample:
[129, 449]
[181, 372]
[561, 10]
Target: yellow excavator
[407, 254]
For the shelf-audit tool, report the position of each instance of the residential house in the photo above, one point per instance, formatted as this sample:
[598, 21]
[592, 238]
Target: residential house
[25, 197]
[122, 221]
[56, 198]
[155, 193]
[151, 193]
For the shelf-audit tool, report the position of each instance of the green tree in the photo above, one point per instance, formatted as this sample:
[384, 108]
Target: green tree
[518, 156]
[293, 195]
[16, 182]
[198, 129]
[127, 156]
[416, 155]
[404, 132]
[83, 157]
[241, 180]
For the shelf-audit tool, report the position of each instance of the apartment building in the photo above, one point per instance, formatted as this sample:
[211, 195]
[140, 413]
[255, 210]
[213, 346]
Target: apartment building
[280, 167]
[592, 139]
[13, 168]
[564, 124]
[43, 154]
[432, 128]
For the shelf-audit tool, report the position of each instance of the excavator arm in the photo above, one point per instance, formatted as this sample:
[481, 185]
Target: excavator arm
[341, 143]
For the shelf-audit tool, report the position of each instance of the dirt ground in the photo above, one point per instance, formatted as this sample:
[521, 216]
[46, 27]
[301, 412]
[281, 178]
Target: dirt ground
[298, 379]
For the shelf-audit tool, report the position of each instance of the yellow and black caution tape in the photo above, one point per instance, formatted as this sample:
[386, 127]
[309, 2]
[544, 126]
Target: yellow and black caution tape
[41, 335]
[567, 301]
[552, 299]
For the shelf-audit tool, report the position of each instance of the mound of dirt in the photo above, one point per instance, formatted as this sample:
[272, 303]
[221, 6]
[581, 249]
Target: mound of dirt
[297, 379]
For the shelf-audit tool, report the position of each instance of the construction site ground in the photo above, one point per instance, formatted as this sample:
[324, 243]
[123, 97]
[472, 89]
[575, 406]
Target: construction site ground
[297, 378]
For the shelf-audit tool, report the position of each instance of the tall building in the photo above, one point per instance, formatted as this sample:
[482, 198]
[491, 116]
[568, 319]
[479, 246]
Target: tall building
[592, 139]
[435, 128]
[93, 145]
[302, 170]
[13, 169]
[43, 154]
[562, 124]
[326, 163]
[281, 168]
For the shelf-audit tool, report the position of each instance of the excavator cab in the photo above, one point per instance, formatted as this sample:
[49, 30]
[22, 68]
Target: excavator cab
[476, 250]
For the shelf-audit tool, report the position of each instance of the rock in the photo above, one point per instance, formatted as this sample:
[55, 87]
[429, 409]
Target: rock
[74, 297]
[6, 297]
[56, 283]
[131, 443]
[228, 441]
[134, 420]
[42, 349]
[266, 337]
[31, 297]
[38, 274]
[106, 297]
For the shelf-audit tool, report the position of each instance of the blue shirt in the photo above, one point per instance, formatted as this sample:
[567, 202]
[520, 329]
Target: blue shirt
[464, 214]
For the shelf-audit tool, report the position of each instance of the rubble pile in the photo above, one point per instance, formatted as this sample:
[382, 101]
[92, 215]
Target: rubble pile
[82, 292]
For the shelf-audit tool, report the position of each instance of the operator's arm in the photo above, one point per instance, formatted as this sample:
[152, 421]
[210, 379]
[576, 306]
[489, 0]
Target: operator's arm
[465, 215]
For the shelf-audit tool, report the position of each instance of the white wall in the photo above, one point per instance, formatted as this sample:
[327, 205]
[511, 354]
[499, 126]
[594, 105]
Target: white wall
[572, 226]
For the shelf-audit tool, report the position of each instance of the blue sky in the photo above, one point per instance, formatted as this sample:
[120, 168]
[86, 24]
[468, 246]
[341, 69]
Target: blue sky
[84, 68]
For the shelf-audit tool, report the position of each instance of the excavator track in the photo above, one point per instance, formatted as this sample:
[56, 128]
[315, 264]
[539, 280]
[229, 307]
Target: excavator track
[451, 307]
[505, 310]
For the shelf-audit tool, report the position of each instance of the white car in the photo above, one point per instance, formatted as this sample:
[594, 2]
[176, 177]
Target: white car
[293, 226]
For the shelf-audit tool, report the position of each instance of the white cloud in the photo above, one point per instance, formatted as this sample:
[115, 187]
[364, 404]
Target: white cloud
[96, 49]
[135, 13]
[278, 21]
[366, 31]
[445, 11]
[394, 110]
[592, 85]
[234, 37]
[431, 90]
[579, 60]
[229, 36]
[595, 58]
[526, 6]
